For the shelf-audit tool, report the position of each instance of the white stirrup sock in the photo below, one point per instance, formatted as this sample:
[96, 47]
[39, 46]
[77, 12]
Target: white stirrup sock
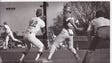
[23, 55]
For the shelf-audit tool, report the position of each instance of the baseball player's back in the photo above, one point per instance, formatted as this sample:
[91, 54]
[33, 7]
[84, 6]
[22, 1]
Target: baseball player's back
[99, 22]
[35, 24]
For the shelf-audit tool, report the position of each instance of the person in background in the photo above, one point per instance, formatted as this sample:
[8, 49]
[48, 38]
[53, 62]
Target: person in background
[100, 26]
[9, 34]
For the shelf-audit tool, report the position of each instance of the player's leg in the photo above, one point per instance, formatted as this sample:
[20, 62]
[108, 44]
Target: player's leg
[16, 40]
[1, 60]
[91, 49]
[53, 48]
[38, 44]
[41, 48]
[60, 38]
[73, 50]
[13, 38]
[102, 34]
[6, 42]
[26, 51]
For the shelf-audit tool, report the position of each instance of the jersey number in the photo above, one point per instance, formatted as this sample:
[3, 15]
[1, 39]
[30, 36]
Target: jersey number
[33, 23]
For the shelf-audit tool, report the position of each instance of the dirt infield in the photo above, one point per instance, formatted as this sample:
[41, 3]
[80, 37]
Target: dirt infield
[63, 55]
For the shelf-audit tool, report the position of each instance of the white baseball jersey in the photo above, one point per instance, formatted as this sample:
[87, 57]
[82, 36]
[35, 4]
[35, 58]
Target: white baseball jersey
[35, 25]
[70, 25]
[70, 18]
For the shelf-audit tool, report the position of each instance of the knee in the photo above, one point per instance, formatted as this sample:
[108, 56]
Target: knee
[70, 48]
[39, 52]
[41, 48]
[53, 48]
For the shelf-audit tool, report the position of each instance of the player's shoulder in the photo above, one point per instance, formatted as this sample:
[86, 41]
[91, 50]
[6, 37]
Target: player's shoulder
[36, 19]
[6, 26]
[105, 19]
[100, 19]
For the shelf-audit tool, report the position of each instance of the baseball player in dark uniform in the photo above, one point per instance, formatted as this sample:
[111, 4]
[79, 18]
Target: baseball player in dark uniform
[100, 26]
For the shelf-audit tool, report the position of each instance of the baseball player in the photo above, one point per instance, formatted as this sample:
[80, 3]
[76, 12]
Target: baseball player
[34, 26]
[9, 34]
[101, 28]
[66, 34]
[100, 25]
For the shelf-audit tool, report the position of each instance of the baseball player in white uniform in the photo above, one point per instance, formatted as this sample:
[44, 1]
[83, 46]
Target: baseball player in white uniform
[66, 33]
[9, 34]
[35, 25]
